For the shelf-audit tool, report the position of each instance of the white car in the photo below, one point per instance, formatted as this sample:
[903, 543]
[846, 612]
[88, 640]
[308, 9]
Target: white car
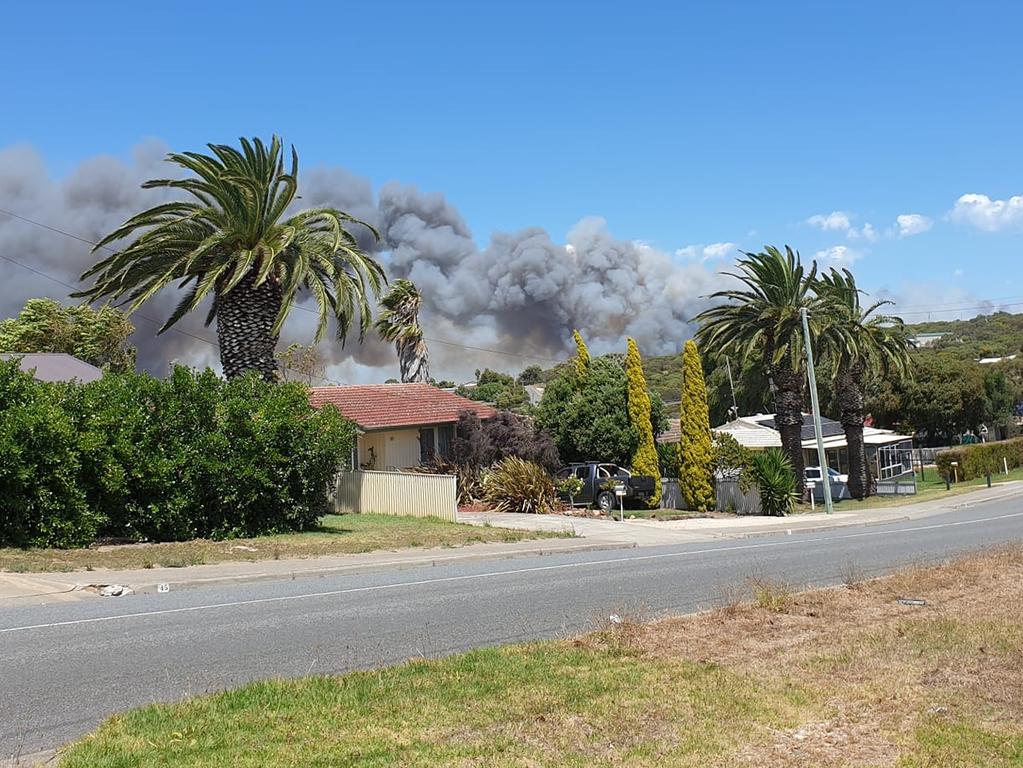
[814, 474]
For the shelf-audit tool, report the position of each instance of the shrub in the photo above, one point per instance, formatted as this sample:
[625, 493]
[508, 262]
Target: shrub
[42, 502]
[979, 459]
[130, 456]
[515, 485]
[589, 420]
[772, 472]
[695, 453]
[644, 460]
[667, 459]
[732, 459]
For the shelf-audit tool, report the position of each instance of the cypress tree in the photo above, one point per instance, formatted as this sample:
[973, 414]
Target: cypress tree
[644, 461]
[695, 449]
[581, 361]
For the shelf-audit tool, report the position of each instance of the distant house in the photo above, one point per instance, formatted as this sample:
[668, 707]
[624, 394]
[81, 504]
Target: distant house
[993, 360]
[55, 366]
[884, 447]
[400, 425]
[926, 339]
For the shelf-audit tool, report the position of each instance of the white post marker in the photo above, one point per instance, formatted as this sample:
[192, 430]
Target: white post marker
[620, 493]
[821, 455]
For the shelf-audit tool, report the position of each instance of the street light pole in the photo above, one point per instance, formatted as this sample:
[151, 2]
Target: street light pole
[821, 455]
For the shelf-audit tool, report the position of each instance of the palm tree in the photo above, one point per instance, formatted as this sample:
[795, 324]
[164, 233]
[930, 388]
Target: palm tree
[236, 241]
[762, 321]
[399, 323]
[857, 342]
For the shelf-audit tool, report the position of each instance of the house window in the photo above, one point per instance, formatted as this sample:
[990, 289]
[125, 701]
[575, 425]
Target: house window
[445, 434]
[427, 445]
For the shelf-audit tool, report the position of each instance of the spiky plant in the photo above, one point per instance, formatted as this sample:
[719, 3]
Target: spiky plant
[516, 485]
[398, 323]
[234, 240]
[772, 472]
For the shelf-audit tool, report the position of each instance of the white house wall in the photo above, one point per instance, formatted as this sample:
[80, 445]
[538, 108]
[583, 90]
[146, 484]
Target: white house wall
[393, 449]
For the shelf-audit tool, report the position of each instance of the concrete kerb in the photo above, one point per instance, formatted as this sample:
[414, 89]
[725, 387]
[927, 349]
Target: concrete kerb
[68, 585]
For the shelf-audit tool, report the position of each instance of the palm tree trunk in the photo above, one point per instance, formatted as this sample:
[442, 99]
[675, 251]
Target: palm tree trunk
[850, 402]
[788, 417]
[245, 318]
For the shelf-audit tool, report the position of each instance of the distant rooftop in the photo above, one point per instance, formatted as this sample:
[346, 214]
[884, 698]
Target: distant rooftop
[55, 366]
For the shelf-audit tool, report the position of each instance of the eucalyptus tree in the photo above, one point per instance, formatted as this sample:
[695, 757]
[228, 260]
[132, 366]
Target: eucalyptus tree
[760, 319]
[236, 239]
[857, 342]
[399, 323]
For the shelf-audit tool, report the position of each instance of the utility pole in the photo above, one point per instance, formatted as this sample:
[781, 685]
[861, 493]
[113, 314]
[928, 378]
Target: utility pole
[821, 455]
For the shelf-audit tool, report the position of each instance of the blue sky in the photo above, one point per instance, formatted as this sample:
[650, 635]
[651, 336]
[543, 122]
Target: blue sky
[681, 124]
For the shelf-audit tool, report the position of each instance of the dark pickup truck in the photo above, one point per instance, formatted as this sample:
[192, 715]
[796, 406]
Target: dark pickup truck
[596, 477]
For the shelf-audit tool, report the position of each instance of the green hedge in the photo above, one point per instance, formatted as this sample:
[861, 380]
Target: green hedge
[979, 459]
[131, 456]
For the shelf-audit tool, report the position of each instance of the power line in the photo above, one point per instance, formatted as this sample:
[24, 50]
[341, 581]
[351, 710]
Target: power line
[136, 314]
[80, 239]
[75, 288]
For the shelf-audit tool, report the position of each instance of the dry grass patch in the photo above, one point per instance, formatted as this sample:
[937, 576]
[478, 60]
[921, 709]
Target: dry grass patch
[336, 535]
[835, 677]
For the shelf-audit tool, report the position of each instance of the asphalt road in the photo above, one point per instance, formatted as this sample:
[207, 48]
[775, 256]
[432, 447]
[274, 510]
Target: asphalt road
[64, 667]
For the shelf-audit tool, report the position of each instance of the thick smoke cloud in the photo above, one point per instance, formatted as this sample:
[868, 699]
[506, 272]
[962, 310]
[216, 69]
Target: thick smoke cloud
[522, 294]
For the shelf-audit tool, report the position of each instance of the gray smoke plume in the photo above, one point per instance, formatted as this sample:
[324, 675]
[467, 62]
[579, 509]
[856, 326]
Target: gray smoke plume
[522, 294]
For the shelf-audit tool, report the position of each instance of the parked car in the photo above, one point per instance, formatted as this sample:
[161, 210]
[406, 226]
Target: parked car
[814, 474]
[596, 477]
[839, 483]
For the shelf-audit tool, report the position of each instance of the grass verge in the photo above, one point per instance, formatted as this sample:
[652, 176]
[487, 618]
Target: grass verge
[931, 488]
[336, 535]
[838, 677]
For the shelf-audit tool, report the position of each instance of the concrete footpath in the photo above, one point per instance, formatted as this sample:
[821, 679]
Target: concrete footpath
[642, 532]
[18, 589]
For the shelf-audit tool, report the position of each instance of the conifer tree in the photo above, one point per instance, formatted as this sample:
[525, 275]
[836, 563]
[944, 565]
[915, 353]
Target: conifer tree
[581, 361]
[695, 449]
[644, 461]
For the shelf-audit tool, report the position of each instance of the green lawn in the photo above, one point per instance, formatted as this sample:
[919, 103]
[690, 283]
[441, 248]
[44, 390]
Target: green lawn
[932, 487]
[841, 677]
[336, 534]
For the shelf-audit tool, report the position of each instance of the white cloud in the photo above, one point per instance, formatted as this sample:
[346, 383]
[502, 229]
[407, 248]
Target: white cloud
[838, 255]
[702, 252]
[867, 233]
[989, 215]
[841, 221]
[836, 220]
[910, 224]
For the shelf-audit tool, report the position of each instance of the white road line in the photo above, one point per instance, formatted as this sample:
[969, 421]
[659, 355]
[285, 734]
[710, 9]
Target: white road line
[510, 572]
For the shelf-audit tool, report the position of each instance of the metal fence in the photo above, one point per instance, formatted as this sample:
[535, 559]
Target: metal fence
[671, 494]
[897, 486]
[732, 498]
[397, 493]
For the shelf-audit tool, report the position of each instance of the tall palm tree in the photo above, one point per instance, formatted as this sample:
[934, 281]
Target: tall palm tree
[399, 323]
[761, 321]
[236, 241]
[857, 342]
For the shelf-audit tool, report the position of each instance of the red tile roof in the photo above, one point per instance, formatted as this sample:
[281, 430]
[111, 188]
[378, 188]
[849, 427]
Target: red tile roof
[386, 406]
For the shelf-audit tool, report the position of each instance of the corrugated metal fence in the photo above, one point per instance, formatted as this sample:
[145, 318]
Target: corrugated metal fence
[732, 498]
[396, 493]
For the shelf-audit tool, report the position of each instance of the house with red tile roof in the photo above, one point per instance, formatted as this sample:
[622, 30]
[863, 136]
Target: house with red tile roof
[400, 425]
